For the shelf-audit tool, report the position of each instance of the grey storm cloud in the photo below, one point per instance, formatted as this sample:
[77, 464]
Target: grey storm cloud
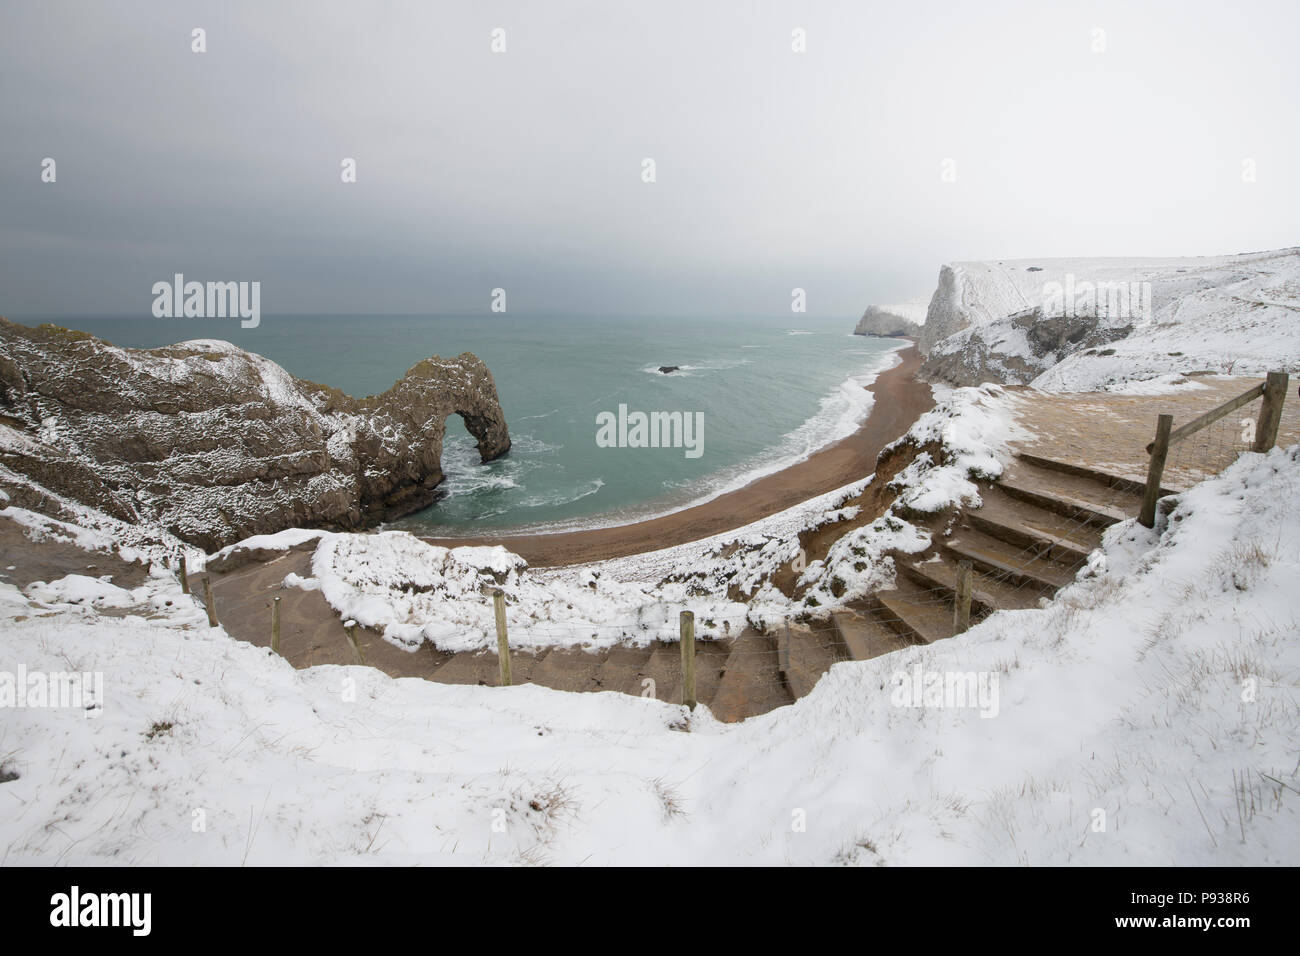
[522, 169]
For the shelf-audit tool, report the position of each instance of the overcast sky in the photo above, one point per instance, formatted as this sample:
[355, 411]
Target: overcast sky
[523, 169]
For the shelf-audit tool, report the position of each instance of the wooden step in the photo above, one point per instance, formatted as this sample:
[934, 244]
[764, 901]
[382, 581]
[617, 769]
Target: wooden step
[1077, 509]
[805, 655]
[987, 593]
[1007, 561]
[862, 637]
[1001, 508]
[625, 670]
[1025, 537]
[920, 615]
[751, 683]
[1111, 491]
[1119, 482]
[664, 667]
[561, 668]
[472, 667]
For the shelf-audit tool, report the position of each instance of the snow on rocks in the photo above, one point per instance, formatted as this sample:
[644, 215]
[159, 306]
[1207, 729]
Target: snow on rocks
[1000, 321]
[139, 434]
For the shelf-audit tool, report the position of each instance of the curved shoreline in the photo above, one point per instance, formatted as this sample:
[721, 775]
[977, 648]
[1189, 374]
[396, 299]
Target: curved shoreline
[900, 398]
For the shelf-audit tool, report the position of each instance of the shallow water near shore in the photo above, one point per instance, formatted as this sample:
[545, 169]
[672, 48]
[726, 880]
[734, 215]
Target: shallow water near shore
[770, 391]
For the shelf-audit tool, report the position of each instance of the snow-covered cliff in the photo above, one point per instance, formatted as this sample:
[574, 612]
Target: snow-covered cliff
[892, 321]
[214, 444]
[1080, 323]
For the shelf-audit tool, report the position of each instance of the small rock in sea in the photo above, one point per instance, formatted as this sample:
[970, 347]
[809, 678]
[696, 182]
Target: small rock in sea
[669, 368]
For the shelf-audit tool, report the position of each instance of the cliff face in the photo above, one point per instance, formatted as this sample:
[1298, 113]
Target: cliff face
[1083, 323]
[1016, 349]
[946, 314]
[216, 444]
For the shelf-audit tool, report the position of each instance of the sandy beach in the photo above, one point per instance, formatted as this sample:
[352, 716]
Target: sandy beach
[899, 399]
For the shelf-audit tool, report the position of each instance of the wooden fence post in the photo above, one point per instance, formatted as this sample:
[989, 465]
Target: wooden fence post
[1270, 412]
[1156, 470]
[350, 629]
[503, 642]
[275, 626]
[783, 650]
[687, 625]
[185, 576]
[961, 598]
[207, 600]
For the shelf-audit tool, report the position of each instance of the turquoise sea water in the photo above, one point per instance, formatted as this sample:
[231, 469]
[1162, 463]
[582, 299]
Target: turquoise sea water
[771, 391]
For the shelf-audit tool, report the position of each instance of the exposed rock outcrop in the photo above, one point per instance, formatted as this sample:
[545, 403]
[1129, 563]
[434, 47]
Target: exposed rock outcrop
[947, 313]
[887, 322]
[1016, 349]
[215, 444]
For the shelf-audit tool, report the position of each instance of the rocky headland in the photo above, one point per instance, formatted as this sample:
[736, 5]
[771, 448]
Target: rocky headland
[214, 444]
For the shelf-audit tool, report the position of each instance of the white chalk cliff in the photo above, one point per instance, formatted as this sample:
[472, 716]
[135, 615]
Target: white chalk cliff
[1006, 321]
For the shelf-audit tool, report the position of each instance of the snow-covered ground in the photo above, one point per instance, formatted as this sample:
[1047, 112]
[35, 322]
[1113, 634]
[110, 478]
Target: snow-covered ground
[1148, 715]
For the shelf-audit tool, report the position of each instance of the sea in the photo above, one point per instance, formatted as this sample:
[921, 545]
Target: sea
[768, 392]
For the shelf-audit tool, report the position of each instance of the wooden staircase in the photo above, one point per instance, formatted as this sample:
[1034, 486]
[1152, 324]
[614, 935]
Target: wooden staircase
[1034, 529]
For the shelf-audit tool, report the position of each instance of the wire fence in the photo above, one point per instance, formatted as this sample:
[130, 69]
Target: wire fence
[1212, 449]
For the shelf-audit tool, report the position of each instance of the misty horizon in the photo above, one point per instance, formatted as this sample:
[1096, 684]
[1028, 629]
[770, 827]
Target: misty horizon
[852, 168]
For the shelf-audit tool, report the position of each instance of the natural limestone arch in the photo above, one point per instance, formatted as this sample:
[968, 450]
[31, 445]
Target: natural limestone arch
[215, 444]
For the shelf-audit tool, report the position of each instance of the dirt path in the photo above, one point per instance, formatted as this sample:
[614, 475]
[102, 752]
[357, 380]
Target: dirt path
[1110, 432]
[737, 678]
[23, 560]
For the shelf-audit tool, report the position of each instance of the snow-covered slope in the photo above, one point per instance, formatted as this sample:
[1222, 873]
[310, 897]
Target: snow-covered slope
[1055, 322]
[1148, 715]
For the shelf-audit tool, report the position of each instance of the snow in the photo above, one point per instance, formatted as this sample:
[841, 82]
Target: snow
[80, 589]
[1146, 715]
[280, 541]
[413, 592]
[913, 310]
[1156, 385]
[1125, 713]
[96, 531]
[1235, 314]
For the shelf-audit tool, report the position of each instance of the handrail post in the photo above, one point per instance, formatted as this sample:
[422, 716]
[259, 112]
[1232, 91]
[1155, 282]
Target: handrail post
[503, 639]
[1270, 411]
[961, 597]
[1156, 470]
[686, 628]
